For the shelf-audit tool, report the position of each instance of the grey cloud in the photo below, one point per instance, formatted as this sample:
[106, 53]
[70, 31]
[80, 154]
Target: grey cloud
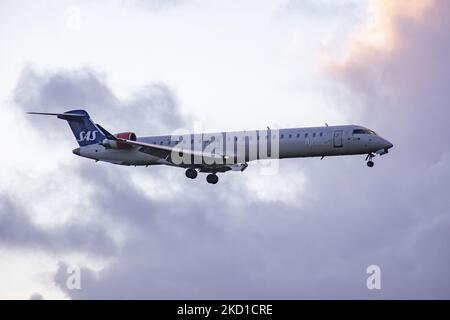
[395, 216]
[404, 92]
[192, 248]
[155, 105]
[57, 91]
[199, 244]
[60, 91]
[282, 252]
[18, 231]
[36, 296]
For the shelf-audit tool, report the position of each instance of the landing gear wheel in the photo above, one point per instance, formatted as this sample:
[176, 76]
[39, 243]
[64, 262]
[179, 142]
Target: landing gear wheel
[370, 162]
[212, 178]
[191, 173]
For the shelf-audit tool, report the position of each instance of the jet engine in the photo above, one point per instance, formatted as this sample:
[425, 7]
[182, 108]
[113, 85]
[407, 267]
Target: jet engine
[114, 144]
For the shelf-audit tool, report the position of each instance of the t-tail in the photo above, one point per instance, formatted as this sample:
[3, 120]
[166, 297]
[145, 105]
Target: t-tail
[86, 132]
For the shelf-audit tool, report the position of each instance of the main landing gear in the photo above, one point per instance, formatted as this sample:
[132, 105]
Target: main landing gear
[211, 178]
[191, 173]
[369, 157]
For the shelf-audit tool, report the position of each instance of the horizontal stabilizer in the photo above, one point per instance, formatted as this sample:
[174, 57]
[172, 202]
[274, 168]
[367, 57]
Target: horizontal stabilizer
[64, 116]
[84, 130]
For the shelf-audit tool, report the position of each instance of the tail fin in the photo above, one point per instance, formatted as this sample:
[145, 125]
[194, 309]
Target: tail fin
[85, 131]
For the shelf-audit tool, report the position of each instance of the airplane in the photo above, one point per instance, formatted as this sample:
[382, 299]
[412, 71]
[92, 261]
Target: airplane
[219, 152]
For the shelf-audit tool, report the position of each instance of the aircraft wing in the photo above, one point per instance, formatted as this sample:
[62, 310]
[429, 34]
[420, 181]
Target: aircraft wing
[209, 161]
[166, 151]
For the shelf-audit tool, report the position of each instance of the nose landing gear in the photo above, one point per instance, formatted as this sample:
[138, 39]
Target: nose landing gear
[369, 157]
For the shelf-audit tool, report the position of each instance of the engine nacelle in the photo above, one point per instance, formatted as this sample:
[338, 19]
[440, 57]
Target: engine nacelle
[113, 144]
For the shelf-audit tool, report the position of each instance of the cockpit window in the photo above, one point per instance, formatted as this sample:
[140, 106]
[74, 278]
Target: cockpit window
[363, 131]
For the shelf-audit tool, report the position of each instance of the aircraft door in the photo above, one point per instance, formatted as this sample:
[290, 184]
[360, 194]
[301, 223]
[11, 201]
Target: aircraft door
[337, 139]
[247, 148]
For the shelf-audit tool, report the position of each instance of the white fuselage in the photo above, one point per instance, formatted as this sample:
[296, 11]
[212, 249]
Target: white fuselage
[245, 146]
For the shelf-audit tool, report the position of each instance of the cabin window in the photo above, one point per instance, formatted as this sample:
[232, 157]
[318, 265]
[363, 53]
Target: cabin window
[298, 135]
[290, 135]
[314, 134]
[282, 136]
[321, 134]
[306, 135]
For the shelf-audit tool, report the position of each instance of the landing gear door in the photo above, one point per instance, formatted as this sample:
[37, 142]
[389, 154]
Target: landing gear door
[337, 139]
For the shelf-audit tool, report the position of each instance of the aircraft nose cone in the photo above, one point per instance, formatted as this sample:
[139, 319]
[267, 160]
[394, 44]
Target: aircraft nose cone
[76, 151]
[389, 145]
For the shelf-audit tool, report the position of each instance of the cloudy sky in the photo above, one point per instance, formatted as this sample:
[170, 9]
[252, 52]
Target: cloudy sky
[309, 231]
